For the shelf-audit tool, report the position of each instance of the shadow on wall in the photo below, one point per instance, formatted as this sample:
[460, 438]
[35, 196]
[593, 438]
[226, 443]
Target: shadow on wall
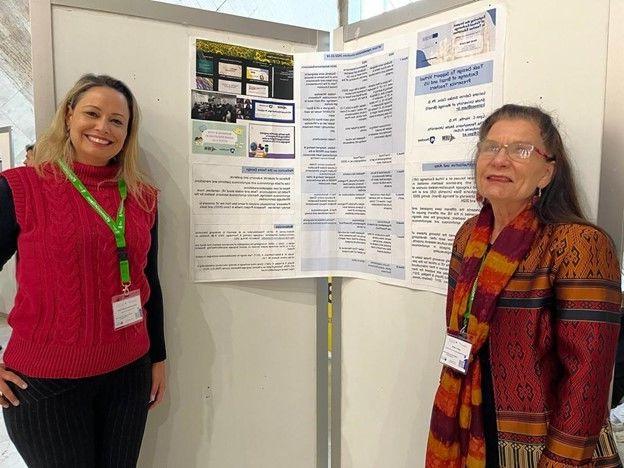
[188, 398]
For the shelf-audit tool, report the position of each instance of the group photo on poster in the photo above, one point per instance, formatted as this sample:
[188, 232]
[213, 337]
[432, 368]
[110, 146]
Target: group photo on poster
[213, 106]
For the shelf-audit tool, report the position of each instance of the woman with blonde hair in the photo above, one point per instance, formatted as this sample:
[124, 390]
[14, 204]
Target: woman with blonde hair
[85, 360]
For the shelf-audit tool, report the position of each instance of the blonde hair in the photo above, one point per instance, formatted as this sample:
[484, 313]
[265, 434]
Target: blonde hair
[54, 145]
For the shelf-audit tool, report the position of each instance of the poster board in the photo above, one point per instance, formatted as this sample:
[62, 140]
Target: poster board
[331, 183]
[392, 337]
[242, 358]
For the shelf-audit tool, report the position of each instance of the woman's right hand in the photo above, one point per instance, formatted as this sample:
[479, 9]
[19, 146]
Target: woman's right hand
[6, 394]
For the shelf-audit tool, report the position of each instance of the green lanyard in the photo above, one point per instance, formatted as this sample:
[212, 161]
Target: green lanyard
[118, 226]
[466, 315]
[471, 297]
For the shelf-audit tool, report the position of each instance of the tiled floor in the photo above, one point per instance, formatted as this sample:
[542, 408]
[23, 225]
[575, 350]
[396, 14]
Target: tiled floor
[16, 109]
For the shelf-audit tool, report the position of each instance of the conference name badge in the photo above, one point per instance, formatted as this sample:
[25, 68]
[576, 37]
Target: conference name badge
[127, 309]
[456, 353]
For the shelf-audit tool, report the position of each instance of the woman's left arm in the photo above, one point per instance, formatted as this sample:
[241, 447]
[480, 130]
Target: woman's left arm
[8, 223]
[155, 322]
[585, 327]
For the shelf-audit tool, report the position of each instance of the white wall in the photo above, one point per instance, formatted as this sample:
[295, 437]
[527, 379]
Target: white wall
[392, 337]
[315, 14]
[241, 356]
[611, 208]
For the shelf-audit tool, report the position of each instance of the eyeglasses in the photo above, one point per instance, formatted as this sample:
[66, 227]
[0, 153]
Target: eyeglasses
[516, 151]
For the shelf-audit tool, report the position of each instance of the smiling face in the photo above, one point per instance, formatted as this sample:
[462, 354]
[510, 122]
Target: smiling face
[98, 125]
[507, 183]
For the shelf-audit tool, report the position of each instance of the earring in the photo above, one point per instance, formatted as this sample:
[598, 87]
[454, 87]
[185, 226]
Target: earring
[480, 198]
[536, 197]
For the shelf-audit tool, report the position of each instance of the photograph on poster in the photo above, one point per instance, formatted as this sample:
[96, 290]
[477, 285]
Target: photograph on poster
[231, 70]
[213, 106]
[204, 64]
[228, 86]
[204, 83]
[244, 109]
[257, 90]
[271, 141]
[465, 37]
[234, 63]
[257, 74]
[220, 139]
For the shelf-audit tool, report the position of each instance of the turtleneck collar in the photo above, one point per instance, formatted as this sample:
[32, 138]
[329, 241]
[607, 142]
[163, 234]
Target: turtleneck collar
[95, 174]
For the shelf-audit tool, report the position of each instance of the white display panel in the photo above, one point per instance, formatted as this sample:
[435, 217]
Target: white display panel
[241, 357]
[392, 337]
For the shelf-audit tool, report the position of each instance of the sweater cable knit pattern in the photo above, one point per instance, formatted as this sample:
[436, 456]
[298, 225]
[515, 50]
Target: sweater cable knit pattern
[68, 272]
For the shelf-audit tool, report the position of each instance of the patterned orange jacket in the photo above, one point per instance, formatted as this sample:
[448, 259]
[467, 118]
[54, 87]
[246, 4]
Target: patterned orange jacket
[552, 348]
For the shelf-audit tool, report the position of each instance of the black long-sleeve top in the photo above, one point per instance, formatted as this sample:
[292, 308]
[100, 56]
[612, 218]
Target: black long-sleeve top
[9, 230]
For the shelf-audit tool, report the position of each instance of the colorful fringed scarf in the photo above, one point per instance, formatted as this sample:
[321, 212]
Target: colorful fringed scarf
[456, 432]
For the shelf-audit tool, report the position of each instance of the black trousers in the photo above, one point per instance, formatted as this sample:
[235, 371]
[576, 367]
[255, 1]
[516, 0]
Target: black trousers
[89, 422]
[618, 384]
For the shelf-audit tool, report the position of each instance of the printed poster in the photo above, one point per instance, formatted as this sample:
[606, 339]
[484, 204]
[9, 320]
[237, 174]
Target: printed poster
[356, 163]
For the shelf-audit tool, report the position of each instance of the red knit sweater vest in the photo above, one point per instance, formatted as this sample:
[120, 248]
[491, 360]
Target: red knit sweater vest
[68, 272]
